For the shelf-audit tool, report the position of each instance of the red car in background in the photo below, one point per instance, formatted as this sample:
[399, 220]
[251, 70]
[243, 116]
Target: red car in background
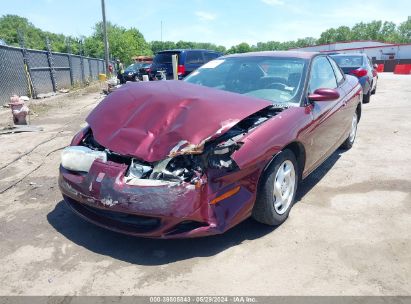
[173, 159]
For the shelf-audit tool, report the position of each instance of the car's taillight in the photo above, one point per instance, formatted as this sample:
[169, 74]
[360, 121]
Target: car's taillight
[181, 70]
[359, 72]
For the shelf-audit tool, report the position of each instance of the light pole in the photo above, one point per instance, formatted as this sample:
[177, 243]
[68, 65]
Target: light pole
[106, 51]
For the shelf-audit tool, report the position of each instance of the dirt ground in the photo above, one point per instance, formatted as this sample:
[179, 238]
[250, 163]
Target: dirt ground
[349, 233]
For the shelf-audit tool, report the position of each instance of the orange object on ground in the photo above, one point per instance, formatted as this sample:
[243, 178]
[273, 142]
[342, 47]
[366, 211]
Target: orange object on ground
[380, 68]
[402, 69]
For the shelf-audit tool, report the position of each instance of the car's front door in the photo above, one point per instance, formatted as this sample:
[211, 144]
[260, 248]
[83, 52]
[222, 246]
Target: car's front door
[326, 130]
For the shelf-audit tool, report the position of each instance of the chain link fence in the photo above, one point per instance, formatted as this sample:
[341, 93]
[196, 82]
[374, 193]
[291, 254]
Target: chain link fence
[34, 72]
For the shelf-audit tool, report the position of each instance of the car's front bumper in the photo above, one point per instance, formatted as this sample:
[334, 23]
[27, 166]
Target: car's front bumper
[164, 211]
[129, 77]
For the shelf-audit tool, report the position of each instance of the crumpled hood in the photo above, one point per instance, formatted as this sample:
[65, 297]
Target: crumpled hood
[153, 120]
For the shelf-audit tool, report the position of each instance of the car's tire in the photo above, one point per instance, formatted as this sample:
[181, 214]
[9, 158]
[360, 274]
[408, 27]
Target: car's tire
[277, 189]
[366, 97]
[349, 142]
[374, 90]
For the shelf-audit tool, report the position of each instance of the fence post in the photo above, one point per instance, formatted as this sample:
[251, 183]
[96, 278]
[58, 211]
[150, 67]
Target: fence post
[83, 80]
[90, 70]
[32, 89]
[70, 63]
[82, 69]
[51, 65]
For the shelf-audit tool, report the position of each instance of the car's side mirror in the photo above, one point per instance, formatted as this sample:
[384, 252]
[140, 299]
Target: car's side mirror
[375, 66]
[324, 95]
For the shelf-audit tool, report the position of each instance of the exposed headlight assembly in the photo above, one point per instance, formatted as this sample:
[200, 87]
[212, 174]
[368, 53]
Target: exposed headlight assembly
[79, 158]
[220, 156]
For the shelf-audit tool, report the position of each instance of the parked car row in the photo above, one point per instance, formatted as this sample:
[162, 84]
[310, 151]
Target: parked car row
[135, 71]
[360, 66]
[196, 157]
[188, 61]
[161, 67]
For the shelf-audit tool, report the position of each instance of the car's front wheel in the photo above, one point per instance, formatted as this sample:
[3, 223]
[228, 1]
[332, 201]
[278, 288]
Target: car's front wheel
[277, 190]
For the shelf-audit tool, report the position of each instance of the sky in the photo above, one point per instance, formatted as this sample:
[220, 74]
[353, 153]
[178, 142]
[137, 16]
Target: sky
[223, 22]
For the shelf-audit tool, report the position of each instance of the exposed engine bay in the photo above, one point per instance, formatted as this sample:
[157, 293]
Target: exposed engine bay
[188, 168]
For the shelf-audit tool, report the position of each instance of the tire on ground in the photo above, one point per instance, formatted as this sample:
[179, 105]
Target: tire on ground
[264, 211]
[349, 142]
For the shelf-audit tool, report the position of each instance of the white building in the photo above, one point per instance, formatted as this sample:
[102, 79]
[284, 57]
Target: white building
[376, 50]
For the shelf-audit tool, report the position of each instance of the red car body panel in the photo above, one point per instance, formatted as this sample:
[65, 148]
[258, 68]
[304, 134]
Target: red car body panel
[124, 123]
[320, 128]
[148, 120]
[170, 205]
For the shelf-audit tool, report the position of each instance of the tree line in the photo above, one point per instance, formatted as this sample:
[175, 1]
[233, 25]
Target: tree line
[126, 43]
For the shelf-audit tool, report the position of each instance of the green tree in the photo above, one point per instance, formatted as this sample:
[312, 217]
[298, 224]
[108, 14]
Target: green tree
[268, 46]
[185, 45]
[34, 38]
[327, 36]
[123, 43]
[343, 33]
[367, 31]
[157, 46]
[388, 32]
[10, 25]
[405, 31]
[126, 43]
[240, 48]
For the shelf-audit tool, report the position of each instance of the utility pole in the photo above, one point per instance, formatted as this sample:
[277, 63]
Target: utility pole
[106, 50]
[161, 30]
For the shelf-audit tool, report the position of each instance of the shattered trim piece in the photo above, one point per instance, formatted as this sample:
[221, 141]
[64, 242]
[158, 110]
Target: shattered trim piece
[149, 182]
[184, 147]
[108, 201]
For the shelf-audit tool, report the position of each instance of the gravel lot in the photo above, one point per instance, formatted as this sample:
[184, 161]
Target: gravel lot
[349, 233]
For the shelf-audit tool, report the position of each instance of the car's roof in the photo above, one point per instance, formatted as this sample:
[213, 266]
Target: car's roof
[284, 54]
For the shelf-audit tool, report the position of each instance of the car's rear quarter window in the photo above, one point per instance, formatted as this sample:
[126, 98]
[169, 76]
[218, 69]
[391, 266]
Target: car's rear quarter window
[164, 57]
[194, 57]
[210, 56]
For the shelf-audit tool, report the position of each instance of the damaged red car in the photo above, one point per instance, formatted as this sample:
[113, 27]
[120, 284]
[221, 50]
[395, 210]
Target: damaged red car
[173, 159]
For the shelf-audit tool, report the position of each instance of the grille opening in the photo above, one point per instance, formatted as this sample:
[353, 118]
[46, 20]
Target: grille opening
[123, 221]
[186, 226]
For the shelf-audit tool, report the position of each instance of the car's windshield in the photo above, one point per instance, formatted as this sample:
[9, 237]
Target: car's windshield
[348, 61]
[272, 78]
[133, 67]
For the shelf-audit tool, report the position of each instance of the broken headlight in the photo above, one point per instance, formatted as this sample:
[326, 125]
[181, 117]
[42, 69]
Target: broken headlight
[220, 156]
[138, 170]
[80, 158]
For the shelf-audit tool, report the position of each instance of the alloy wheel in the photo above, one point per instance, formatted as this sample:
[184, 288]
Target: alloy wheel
[284, 185]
